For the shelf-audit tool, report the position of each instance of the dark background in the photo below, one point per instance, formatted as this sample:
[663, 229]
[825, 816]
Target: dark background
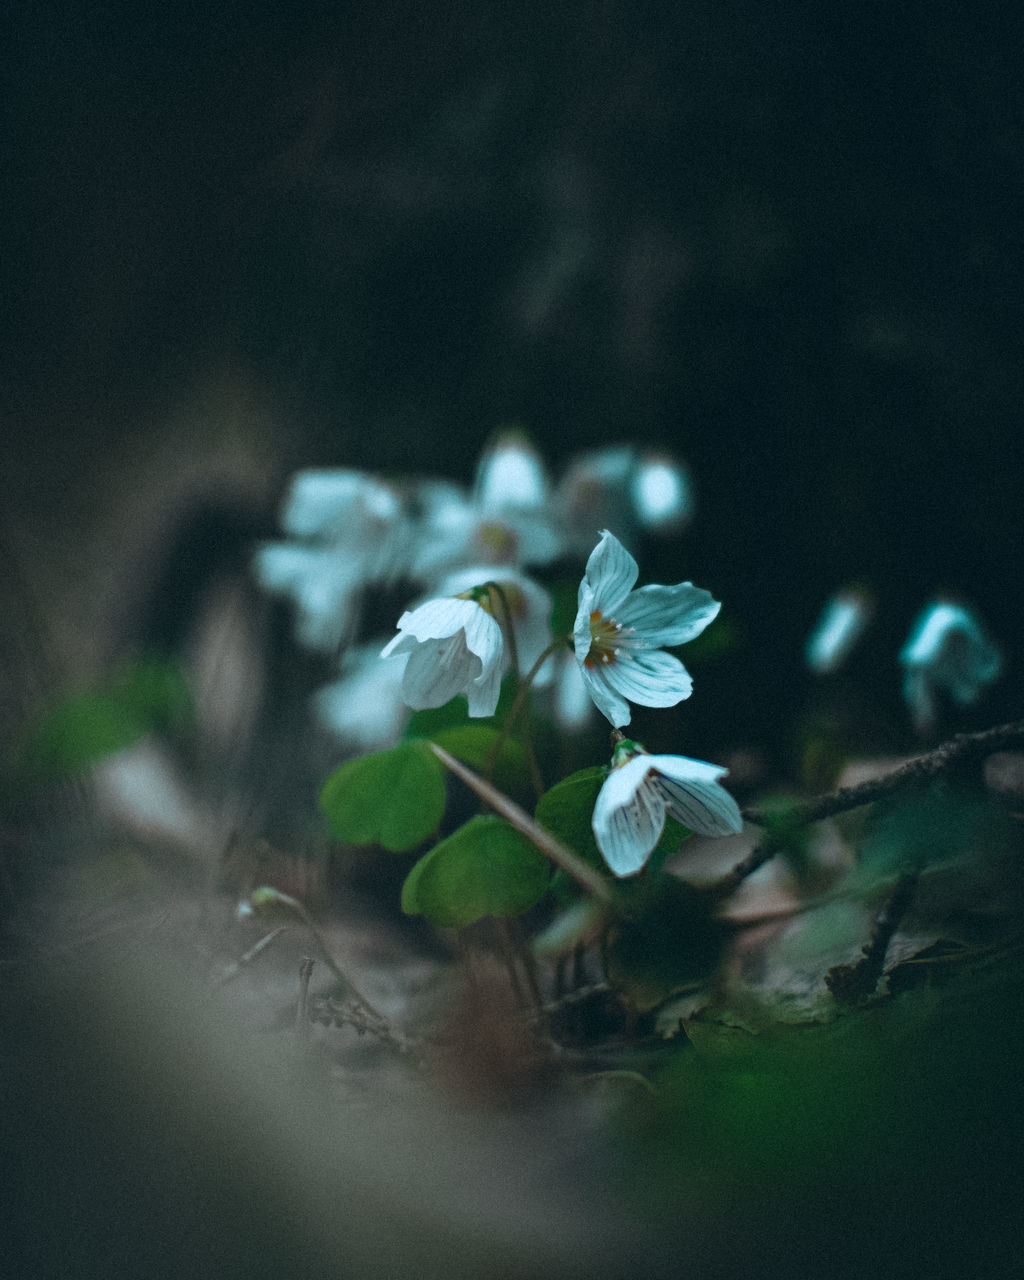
[783, 240]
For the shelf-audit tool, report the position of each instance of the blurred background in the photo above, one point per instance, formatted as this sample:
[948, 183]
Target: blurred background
[236, 239]
[783, 242]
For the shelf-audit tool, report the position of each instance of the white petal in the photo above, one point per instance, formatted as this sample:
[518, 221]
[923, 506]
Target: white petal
[438, 671]
[629, 817]
[842, 623]
[439, 618]
[650, 679]
[611, 572]
[483, 635]
[573, 705]
[318, 501]
[581, 627]
[694, 796]
[511, 474]
[668, 615]
[280, 566]
[614, 708]
[662, 494]
[482, 693]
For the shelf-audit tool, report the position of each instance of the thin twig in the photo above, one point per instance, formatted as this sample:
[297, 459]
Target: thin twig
[959, 750]
[302, 1007]
[962, 749]
[233, 970]
[561, 855]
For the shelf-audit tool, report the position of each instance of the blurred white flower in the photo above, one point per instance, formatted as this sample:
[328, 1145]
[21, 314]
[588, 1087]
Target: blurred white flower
[629, 816]
[619, 632]
[323, 586]
[350, 530]
[661, 492]
[511, 474]
[364, 706]
[946, 650]
[620, 488]
[842, 623]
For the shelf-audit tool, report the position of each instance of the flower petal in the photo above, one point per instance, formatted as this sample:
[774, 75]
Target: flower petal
[650, 679]
[629, 816]
[668, 615]
[611, 705]
[482, 693]
[438, 671]
[483, 635]
[611, 572]
[694, 796]
[440, 618]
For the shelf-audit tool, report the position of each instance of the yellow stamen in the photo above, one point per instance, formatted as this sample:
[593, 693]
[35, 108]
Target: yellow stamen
[604, 637]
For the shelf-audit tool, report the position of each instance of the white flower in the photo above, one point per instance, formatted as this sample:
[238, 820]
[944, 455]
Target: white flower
[364, 706]
[947, 650]
[350, 530]
[454, 646]
[619, 633]
[528, 603]
[629, 816]
[842, 623]
[662, 494]
[506, 522]
[619, 487]
[510, 474]
[323, 586]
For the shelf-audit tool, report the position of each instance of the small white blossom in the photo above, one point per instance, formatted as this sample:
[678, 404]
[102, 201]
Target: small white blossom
[629, 816]
[619, 632]
[506, 522]
[455, 647]
[528, 603]
[323, 586]
[947, 650]
[511, 474]
[349, 530]
[662, 494]
[842, 623]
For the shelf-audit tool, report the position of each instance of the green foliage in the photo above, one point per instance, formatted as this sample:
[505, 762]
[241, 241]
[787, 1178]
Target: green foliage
[395, 798]
[664, 939]
[566, 810]
[455, 714]
[474, 745]
[787, 832]
[149, 695]
[486, 868]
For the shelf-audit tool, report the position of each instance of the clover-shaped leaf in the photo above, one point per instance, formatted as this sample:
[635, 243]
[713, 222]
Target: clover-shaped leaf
[486, 868]
[394, 798]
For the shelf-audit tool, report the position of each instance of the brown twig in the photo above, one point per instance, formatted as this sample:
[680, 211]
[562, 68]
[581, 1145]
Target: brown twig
[963, 749]
[561, 855]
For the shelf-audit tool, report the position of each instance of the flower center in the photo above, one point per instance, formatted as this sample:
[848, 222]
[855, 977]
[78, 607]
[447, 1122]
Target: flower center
[497, 542]
[605, 636]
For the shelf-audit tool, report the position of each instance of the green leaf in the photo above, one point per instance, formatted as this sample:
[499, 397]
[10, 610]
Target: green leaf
[566, 810]
[454, 714]
[148, 695]
[473, 745]
[395, 798]
[486, 868]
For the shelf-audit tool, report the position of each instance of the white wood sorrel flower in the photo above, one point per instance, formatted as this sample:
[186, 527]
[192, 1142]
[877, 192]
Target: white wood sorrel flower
[619, 633]
[456, 645]
[629, 816]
